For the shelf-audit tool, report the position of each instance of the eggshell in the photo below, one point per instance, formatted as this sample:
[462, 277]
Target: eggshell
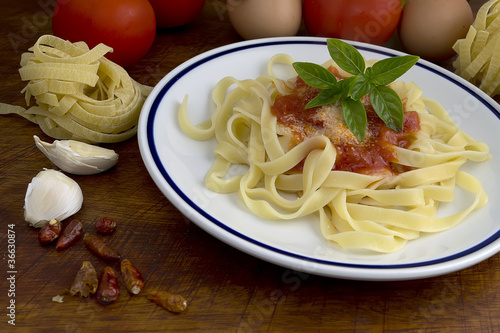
[265, 18]
[429, 28]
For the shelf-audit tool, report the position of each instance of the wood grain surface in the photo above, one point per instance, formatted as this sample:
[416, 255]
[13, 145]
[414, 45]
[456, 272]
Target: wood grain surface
[227, 290]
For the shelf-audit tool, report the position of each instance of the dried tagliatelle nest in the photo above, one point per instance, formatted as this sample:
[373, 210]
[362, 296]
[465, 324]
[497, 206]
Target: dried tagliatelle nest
[80, 94]
[478, 58]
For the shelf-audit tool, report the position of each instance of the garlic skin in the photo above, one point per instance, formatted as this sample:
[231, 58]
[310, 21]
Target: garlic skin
[77, 157]
[51, 195]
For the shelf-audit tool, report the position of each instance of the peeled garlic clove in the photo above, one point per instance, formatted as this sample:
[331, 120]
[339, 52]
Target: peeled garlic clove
[51, 195]
[77, 157]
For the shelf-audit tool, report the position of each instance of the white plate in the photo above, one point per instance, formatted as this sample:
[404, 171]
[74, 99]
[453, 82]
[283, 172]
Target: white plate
[178, 165]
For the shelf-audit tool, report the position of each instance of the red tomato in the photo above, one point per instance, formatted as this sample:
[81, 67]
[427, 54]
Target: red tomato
[369, 21]
[128, 26]
[174, 13]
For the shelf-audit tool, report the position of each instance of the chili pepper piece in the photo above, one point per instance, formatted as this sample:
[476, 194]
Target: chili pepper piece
[105, 226]
[101, 249]
[70, 235]
[86, 281]
[49, 232]
[171, 302]
[108, 290]
[132, 276]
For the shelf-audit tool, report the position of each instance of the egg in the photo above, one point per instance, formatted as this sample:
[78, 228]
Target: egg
[265, 18]
[429, 28]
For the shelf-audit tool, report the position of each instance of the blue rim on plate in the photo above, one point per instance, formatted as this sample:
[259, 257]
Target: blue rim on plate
[148, 146]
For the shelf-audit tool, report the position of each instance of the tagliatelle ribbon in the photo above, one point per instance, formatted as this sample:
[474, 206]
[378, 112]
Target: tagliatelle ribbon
[80, 94]
[478, 58]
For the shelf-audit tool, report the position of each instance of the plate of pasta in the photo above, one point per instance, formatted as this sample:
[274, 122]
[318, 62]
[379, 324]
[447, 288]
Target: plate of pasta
[212, 138]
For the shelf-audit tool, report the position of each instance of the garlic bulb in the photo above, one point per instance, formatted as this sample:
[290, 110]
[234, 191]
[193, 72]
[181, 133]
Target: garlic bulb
[77, 157]
[51, 195]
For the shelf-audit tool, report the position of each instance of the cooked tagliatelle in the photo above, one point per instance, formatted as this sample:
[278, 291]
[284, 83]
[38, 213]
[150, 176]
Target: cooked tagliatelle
[288, 175]
[80, 94]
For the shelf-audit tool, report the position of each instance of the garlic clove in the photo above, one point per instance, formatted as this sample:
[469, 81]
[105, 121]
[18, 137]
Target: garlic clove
[77, 157]
[51, 195]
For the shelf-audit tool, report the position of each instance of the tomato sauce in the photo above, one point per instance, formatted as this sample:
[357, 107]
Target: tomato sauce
[375, 154]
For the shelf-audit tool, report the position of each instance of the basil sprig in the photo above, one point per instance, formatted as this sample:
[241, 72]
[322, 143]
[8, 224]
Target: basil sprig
[372, 80]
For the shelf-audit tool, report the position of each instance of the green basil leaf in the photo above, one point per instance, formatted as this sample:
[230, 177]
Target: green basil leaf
[315, 75]
[346, 56]
[388, 70]
[369, 73]
[326, 96]
[347, 84]
[362, 87]
[355, 117]
[388, 107]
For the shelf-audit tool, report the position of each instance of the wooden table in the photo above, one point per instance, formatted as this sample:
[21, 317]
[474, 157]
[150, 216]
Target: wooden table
[227, 290]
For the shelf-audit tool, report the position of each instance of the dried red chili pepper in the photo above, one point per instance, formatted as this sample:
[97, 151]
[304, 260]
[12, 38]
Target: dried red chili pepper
[86, 281]
[171, 302]
[105, 226]
[101, 249]
[49, 232]
[70, 235]
[132, 276]
[108, 290]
